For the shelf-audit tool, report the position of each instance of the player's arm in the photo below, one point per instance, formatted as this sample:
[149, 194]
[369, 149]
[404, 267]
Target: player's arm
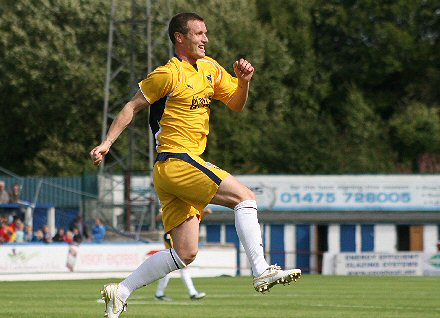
[122, 120]
[244, 72]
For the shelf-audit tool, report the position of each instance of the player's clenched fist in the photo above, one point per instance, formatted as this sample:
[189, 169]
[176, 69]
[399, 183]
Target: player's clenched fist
[97, 154]
[243, 69]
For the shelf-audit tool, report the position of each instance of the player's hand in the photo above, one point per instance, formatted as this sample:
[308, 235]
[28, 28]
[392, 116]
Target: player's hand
[243, 69]
[98, 153]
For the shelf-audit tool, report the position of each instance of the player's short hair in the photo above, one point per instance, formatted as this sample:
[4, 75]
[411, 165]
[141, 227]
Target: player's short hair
[179, 23]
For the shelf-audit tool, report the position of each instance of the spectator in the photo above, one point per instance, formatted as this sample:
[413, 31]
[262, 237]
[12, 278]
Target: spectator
[4, 231]
[59, 236]
[11, 233]
[81, 226]
[19, 231]
[47, 236]
[39, 236]
[29, 235]
[77, 237]
[15, 222]
[4, 196]
[68, 238]
[98, 231]
[15, 193]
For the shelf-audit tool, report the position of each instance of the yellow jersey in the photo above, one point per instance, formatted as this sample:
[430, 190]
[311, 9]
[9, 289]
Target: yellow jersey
[180, 96]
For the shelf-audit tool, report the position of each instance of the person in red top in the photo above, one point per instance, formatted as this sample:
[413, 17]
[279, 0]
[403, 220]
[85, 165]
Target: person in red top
[4, 232]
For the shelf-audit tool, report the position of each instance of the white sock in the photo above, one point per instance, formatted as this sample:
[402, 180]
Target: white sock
[249, 232]
[186, 277]
[162, 285]
[156, 266]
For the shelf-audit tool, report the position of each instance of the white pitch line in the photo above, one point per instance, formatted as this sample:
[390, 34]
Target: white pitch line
[159, 303]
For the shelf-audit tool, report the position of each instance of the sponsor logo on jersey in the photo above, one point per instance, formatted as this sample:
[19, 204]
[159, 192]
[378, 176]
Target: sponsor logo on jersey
[198, 102]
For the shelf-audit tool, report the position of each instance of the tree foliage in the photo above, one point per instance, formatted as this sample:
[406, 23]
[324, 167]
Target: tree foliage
[52, 79]
[340, 86]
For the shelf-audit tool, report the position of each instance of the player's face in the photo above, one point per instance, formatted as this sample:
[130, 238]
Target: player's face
[195, 40]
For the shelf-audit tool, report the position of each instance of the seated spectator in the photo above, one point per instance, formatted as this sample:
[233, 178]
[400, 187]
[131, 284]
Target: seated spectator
[81, 226]
[68, 238]
[59, 236]
[4, 231]
[14, 194]
[12, 235]
[47, 236]
[98, 231]
[39, 236]
[4, 196]
[15, 221]
[19, 231]
[77, 237]
[29, 235]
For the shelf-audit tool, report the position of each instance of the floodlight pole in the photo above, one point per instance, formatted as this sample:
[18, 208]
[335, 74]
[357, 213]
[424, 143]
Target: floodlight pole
[117, 65]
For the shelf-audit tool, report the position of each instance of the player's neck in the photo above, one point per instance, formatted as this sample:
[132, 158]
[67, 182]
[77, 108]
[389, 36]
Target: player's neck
[187, 59]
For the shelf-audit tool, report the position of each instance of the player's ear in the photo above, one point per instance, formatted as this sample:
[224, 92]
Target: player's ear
[179, 37]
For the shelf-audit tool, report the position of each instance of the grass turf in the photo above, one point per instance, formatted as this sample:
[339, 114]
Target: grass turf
[312, 296]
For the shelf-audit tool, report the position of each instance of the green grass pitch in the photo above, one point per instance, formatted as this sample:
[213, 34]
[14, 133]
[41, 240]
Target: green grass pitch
[312, 296]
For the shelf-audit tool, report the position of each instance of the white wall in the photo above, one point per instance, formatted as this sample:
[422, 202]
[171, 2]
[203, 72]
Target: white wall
[430, 238]
[385, 238]
[290, 245]
[334, 241]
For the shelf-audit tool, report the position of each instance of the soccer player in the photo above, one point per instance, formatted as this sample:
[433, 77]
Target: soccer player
[179, 95]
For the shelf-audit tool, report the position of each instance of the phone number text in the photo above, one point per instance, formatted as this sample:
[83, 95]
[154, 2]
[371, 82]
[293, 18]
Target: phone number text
[347, 197]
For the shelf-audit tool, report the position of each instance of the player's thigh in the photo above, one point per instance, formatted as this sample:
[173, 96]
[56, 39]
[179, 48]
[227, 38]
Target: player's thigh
[174, 210]
[192, 180]
[231, 192]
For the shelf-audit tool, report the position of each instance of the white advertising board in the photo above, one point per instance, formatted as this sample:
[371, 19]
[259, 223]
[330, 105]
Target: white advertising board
[431, 264]
[345, 193]
[110, 257]
[105, 258]
[380, 264]
[33, 258]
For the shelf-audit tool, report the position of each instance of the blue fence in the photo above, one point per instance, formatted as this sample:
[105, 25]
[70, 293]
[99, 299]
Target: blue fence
[62, 192]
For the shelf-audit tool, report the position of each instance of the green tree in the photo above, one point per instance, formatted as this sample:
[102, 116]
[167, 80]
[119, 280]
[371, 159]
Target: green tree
[416, 132]
[52, 79]
[340, 86]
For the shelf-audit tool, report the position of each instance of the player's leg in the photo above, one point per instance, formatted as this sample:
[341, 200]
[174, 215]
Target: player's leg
[160, 290]
[185, 247]
[153, 268]
[234, 195]
[231, 193]
[187, 280]
[163, 282]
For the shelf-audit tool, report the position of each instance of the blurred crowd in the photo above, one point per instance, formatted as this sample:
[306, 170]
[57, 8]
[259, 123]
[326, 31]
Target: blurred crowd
[17, 232]
[13, 196]
[13, 229]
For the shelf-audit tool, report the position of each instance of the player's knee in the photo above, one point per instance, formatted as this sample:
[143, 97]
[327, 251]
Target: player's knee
[188, 256]
[246, 194]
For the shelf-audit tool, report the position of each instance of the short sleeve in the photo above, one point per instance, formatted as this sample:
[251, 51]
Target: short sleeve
[157, 85]
[225, 85]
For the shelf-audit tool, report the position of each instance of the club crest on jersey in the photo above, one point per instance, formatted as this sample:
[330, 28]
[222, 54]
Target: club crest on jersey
[209, 77]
